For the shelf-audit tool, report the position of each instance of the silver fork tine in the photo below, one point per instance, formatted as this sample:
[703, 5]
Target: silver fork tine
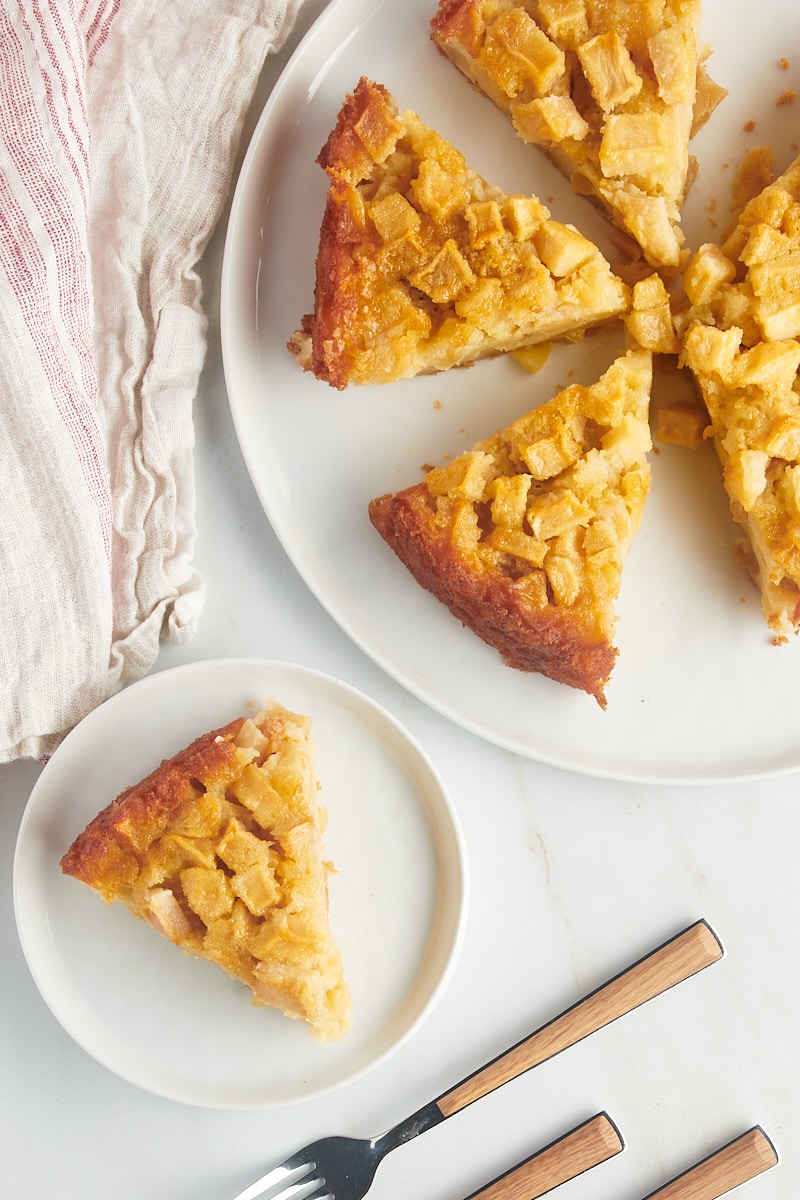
[315, 1189]
[284, 1183]
[311, 1189]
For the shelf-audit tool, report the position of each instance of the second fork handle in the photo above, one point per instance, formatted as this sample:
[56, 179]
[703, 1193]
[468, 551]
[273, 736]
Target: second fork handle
[577, 1151]
[678, 959]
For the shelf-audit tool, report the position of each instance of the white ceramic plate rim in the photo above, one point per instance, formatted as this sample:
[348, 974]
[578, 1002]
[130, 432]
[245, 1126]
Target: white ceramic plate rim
[691, 712]
[41, 892]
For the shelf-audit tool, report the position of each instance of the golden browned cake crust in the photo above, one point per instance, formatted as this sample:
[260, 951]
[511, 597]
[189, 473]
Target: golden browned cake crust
[524, 537]
[220, 850]
[423, 265]
[741, 339]
[612, 92]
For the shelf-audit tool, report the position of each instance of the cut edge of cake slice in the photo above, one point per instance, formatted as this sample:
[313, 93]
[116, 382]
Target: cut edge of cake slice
[524, 536]
[611, 93]
[220, 850]
[423, 265]
[741, 341]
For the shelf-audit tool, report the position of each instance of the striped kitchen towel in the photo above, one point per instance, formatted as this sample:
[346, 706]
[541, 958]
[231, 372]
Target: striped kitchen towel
[119, 127]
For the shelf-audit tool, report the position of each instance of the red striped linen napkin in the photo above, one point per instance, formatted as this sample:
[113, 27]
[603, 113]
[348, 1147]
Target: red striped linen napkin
[120, 122]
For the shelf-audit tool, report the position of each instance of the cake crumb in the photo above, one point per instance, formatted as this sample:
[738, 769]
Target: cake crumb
[783, 63]
[749, 126]
[682, 424]
[787, 96]
[754, 173]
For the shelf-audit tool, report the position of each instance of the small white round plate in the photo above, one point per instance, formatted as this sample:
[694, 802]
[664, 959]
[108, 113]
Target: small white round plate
[178, 1026]
[699, 693]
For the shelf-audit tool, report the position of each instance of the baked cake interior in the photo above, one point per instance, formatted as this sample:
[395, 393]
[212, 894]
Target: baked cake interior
[220, 850]
[611, 92]
[524, 536]
[423, 265]
[741, 340]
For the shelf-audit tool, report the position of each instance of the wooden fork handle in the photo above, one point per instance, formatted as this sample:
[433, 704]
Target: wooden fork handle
[679, 958]
[575, 1152]
[742, 1159]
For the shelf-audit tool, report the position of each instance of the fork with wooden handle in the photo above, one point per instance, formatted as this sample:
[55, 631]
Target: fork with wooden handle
[344, 1167]
[582, 1148]
[742, 1159]
[746, 1156]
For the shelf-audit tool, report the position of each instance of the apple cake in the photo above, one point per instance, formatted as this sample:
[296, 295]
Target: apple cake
[611, 92]
[422, 265]
[524, 536]
[741, 340]
[220, 850]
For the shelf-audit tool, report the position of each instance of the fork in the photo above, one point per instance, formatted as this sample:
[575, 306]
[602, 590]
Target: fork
[584, 1147]
[343, 1167]
[746, 1156]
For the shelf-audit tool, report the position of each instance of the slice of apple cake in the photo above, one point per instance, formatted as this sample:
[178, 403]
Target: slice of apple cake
[524, 537]
[423, 265]
[612, 92]
[741, 340]
[220, 850]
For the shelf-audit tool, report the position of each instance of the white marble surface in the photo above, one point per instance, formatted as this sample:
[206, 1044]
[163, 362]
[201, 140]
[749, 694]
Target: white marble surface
[571, 879]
